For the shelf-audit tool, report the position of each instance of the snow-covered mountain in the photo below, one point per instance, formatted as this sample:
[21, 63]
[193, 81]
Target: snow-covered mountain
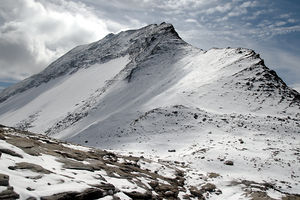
[149, 92]
[111, 82]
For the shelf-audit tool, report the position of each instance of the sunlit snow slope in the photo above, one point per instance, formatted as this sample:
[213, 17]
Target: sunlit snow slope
[100, 88]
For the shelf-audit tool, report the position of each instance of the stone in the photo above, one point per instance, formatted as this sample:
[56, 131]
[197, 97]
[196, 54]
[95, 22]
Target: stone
[169, 193]
[208, 187]
[90, 193]
[153, 184]
[105, 186]
[164, 187]
[71, 164]
[31, 198]
[138, 195]
[228, 162]
[31, 167]
[218, 192]
[9, 194]
[196, 193]
[171, 150]
[213, 175]
[10, 152]
[30, 189]
[61, 196]
[4, 180]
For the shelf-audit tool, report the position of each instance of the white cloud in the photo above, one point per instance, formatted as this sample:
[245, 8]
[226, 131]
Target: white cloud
[248, 4]
[291, 20]
[220, 8]
[37, 32]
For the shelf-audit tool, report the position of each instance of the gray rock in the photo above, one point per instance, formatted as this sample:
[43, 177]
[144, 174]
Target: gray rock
[138, 195]
[228, 162]
[196, 193]
[105, 186]
[10, 152]
[31, 167]
[9, 194]
[31, 198]
[61, 196]
[4, 180]
[90, 194]
[2, 137]
[208, 187]
[70, 164]
[171, 150]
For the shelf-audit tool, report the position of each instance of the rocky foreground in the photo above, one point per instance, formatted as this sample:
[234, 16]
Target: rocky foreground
[38, 167]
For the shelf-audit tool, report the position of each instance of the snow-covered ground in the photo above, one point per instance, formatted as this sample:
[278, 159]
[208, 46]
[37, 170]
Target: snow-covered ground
[37, 167]
[170, 167]
[221, 115]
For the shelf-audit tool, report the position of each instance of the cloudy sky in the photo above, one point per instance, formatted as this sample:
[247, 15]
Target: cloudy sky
[34, 33]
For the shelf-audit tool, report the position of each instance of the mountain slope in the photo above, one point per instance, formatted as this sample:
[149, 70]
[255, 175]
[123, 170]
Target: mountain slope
[148, 92]
[139, 70]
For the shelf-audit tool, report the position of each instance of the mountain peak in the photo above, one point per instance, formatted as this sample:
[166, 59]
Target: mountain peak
[136, 43]
[158, 28]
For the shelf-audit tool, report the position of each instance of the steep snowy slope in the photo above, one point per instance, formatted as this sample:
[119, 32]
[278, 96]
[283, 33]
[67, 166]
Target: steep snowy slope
[75, 80]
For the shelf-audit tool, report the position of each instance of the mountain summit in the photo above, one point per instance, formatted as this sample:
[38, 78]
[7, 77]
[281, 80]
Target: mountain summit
[149, 92]
[123, 75]
[135, 43]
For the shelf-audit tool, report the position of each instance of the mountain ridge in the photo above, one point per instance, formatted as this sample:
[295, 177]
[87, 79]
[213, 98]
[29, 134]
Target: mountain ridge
[148, 93]
[71, 66]
[162, 47]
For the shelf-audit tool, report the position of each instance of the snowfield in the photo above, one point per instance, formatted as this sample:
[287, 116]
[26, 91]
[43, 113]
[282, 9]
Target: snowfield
[220, 118]
[37, 167]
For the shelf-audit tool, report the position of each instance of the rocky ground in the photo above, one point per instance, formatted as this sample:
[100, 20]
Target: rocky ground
[38, 167]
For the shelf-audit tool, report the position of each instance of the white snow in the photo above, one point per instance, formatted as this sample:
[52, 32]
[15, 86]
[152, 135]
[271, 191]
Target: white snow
[205, 106]
[59, 96]
[124, 185]
[77, 147]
